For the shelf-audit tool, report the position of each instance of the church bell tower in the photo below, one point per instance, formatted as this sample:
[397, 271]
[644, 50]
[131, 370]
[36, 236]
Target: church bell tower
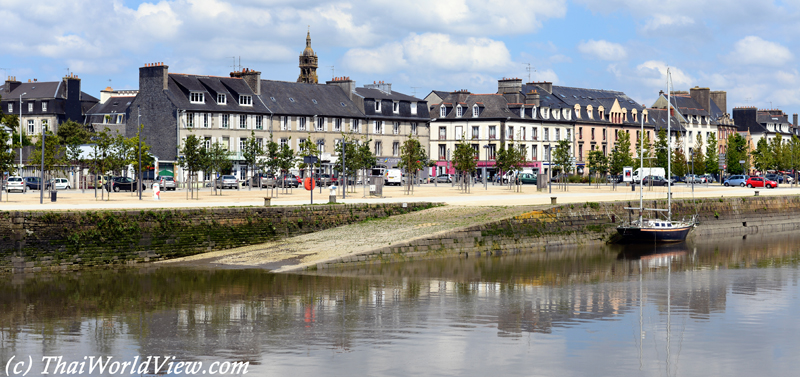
[308, 64]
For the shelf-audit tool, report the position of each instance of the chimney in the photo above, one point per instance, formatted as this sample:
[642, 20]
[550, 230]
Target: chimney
[153, 77]
[380, 85]
[105, 94]
[11, 84]
[72, 108]
[721, 99]
[252, 78]
[702, 96]
[532, 98]
[347, 85]
[794, 120]
[509, 85]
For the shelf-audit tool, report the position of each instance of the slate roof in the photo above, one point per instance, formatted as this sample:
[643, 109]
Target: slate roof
[181, 85]
[566, 96]
[114, 105]
[492, 106]
[657, 118]
[379, 94]
[291, 98]
[42, 90]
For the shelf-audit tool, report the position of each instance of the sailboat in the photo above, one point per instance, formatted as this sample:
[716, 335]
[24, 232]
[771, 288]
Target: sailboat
[654, 229]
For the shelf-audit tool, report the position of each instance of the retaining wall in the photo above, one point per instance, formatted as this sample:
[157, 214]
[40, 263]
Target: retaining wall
[32, 240]
[586, 224]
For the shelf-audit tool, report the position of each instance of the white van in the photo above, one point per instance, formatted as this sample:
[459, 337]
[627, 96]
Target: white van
[640, 173]
[393, 177]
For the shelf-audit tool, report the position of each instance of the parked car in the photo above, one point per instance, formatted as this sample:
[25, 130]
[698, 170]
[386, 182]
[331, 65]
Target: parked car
[166, 182]
[227, 181]
[444, 178]
[123, 184]
[778, 178]
[677, 179]
[324, 180]
[59, 184]
[655, 180]
[614, 178]
[33, 183]
[761, 182]
[289, 180]
[528, 178]
[709, 178]
[691, 178]
[266, 180]
[15, 183]
[736, 180]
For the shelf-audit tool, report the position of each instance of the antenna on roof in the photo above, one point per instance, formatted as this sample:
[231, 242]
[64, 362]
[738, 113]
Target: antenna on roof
[67, 71]
[528, 68]
[333, 73]
[415, 89]
[234, 63]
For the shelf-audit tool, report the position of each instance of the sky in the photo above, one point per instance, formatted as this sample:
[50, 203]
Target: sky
[743, 47]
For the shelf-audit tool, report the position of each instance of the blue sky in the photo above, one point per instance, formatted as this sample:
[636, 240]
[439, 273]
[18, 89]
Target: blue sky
[741, 46]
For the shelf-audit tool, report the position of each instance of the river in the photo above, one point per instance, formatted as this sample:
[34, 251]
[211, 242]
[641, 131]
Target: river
[707, 307]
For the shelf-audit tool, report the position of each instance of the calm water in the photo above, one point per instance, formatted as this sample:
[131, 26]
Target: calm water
[711, 307]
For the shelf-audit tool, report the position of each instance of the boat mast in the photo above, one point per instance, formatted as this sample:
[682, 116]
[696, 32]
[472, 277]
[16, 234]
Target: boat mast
[669, 152]
[641, 168]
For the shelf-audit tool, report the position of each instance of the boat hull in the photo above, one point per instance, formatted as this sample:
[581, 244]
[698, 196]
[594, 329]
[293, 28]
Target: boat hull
[636, 234]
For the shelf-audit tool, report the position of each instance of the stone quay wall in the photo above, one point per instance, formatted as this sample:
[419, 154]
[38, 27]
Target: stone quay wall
[30, 241]
[586, 224]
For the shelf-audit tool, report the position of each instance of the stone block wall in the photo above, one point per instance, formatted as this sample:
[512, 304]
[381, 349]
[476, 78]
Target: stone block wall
[31, 240]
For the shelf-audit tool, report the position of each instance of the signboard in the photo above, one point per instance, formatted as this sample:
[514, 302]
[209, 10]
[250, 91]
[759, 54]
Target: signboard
[627, 174]
[310, 159]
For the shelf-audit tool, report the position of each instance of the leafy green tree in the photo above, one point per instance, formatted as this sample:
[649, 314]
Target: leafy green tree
[562, 158]
[251, 150]
[12, 121]
[73, 135]
[794, 152]
[762, 156]
[502, 160]
[643, 141]
[102, 157]
[53, 153]
[776, 148]
[216, 159]
[464, 161]
[699, 158]
[192, 159]
[597, 164]
[621, 155]
[737, 151]
[6, 157]
[412, 159]
[365, 158]
[712, 155]
[351, 163]
[661, 149]
[305, 149]
[286, 159]
[270, 161]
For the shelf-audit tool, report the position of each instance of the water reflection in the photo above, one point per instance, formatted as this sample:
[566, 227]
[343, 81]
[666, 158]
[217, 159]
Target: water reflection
[565, 311]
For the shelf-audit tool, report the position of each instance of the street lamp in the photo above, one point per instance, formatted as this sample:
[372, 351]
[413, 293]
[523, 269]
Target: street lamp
[549, 170]
[19, 123]
[139, 137]
[485, 184]
[447, 169]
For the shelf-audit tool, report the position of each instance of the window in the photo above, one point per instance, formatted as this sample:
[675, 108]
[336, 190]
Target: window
[492, 152]
[475, 132]
[44, 125]
[510, 133]
[580, 133]
[492, 132]
[476, 149]
[377, 105]
[259, 122]
[284, 123]
[321, 145]
[442, 151]
[189, 120]
[475, 111]
[226, 143]
[414, 108]
[10, 108]
[222, 99]
[44, 106]
[246, 100]
[119, 118]
[31, 127]
[534, 152]
[283, 141]
[207, 143]
[396, 128]
[354, 125]
[395, 107]
[413, 128]
[375, 126]
[337, 124]
[522, 133]
[337, 146]
[546, 134]
[301, 145]
[320, 124]
[604, 134]
[242, 143]
[558, 134]
[30, 107]
[396, 148]
[378, 148]
[242, 121]
[459, 132]
[442, 111]
[535, 133]
[459, 111]
[226, 118]
[301, 123]
[442, 133]
[569, 134]
[197, 97]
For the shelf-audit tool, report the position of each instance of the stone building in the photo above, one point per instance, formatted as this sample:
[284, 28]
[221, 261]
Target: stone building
[308, 64]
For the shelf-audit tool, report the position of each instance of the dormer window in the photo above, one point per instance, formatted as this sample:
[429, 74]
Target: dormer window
[533, 112]
[522, 112]
[395, 107]
[10, 108]
[44, 106]
[459, 111]
[222, 99]
[414, 108]
[196, 97]
[30, 107]
[442, 111]
[246, 100]
[377, 105]
[590, 111]
[475, 111]
[567, 114]
[556, 114]
[119, 118]
[545, 113]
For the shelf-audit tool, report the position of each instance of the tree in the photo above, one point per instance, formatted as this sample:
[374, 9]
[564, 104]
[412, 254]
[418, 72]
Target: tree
[305, 149]
[192, 159]
[776, 148]
[271, 150]
[794, 152]
[737, 151]
[285, 159]
[621, 155]
[12, 121]
[699, 158]
[762, 156]
[562, 158]
[502, 160]
[73, 136]
[412, 159]
[351, 163]
[661, 149]
[216, 158]
[102, 157]
[464, 161]
[53, 153]
[251, 150]
[712, 155]
[365, 159]
[6, 157]
[643, 141]
[597, 163]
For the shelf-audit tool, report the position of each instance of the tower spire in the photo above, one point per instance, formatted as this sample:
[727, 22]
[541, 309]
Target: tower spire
[308, 63]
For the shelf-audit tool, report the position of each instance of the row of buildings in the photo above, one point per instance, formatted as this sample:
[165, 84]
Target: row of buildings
[228, 109]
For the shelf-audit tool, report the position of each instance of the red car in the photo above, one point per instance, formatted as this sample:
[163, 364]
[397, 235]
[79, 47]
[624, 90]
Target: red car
[761, 182]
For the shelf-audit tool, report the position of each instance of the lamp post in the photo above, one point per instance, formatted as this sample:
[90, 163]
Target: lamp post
[41, 183]
[549, 170]
[19, 124]
[485, 184]
[447, 169]
[139, 137]
[344, 171]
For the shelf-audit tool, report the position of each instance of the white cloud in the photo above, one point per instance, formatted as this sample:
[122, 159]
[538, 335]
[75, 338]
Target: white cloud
[661, 21]
[753, 50]
[603, 50]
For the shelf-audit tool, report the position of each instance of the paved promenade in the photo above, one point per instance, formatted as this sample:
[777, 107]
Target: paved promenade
[492, 196]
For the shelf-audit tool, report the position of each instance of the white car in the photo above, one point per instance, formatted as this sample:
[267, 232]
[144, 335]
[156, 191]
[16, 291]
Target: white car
[15, 183]
[59, 184]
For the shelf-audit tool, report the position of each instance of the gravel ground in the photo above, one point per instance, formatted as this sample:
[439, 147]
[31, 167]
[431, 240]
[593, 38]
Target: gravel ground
[310, 249]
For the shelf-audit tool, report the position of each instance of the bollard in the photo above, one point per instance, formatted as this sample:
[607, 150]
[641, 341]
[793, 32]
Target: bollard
[553, 199]
[267, 201]
[633, 186]
[756, 192]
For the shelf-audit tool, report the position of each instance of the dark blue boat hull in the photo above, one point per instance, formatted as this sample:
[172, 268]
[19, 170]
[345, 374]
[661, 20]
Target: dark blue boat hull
[637, 235]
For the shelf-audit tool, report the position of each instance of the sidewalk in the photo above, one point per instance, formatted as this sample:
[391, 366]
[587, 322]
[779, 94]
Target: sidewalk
[74, 200]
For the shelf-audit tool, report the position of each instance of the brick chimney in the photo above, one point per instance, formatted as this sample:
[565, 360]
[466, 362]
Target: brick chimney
[153, 77]
[347, 85]
[794, 119]
[702, 96]
[380, 85]
[720, 97]
[252, 78]
[11, 84]
[532, 98]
